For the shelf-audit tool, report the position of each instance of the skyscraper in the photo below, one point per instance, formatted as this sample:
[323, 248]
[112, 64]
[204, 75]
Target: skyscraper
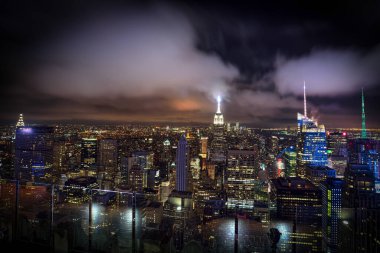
[89, 157]
[34, 151]
[218, 117]
[181, 165]
[20, 122]
[241, 175]
[331, 213]
[108, 155]
[218, 143]
[290, 160]
[311, 142]
[365, 150]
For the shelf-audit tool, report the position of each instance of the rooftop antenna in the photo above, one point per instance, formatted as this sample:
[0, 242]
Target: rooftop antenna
[364, 130]
[304, 99]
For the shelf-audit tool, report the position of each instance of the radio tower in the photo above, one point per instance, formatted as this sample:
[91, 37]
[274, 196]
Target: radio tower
[364, 130]
[304, 99]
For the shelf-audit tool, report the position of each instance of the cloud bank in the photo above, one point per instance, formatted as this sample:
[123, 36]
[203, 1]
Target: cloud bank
[137, 54]
[327, 72]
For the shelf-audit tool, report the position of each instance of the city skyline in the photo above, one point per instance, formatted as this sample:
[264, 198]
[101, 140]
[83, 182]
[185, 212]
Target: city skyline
[161, 62]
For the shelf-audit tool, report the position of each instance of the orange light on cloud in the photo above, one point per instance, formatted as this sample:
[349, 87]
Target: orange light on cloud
[186, 105]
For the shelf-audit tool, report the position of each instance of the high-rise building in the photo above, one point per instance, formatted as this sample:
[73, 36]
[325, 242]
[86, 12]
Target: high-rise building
[296, 199]
[290, 161]
[311, 142]
[143, 159]
[360, 186]
[331, 213]
[362, 213]
[241, 175]
[108, 155]
[337, 144]
[20, 122]
[89, 155]
[364, 151]
[136, 178]
[218, 143]
[181, 165]
[33, 151]
[318, 174]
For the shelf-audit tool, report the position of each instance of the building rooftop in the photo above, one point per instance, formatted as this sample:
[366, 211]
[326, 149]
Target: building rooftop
[293, 183]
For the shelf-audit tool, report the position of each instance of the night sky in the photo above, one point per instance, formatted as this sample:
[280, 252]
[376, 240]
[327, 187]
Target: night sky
[162, 62]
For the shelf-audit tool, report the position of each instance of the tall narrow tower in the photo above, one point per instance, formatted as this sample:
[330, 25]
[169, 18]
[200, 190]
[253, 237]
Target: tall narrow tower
[304, 99]
[364, 130]
[181, 165]
[218, 117]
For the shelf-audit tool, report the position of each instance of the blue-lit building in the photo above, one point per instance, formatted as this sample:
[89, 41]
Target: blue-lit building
[311, 144]
[331, 213]
[33, 151]
[181, 165]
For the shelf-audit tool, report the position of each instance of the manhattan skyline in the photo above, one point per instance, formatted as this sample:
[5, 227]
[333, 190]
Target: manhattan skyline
[159, 62]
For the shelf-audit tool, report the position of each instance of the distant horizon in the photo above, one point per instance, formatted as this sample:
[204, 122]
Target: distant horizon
[166, 123]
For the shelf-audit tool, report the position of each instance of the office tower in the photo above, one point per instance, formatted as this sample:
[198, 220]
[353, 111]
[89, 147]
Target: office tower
[144, 159]
[182, 165]
[166, 155]
[273, 145]
[136, 178]
[331, 213]
[203, 151]
[89, 155]
[20, 122]
[364, 150]
[124, 171]
[278, 168]
[290, 161]
[337, 152]
[6, 158]
[108, 156]
[33, 151]
[241, 175]
[362, 214]
[218, 143]
[311, 142]
[77, 190]
[360, 186]
[318, 174]
[296, 199]
[153, 213]
[337, 144]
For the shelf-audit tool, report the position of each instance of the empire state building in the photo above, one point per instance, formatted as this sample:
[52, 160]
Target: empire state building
[218, 144]
[218, 118]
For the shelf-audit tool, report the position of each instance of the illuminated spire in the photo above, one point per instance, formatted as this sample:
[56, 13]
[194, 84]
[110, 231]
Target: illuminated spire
[20, 122]
[219, 100]
[364, 130]
[218, 117]
[304, 99]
